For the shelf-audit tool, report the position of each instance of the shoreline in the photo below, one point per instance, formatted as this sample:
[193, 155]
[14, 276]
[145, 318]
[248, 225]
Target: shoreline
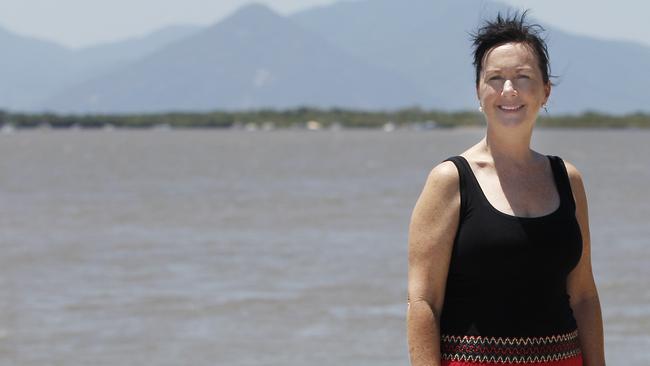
[310, 119]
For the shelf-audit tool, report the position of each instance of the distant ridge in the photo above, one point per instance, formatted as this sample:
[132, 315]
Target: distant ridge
[32, 70]
[104, 57]
[254, 58]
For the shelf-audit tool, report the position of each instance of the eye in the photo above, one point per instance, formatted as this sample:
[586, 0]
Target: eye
[523, 76]
[495, 78]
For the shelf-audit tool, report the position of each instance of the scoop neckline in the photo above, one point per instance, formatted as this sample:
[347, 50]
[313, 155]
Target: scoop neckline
[491, 207]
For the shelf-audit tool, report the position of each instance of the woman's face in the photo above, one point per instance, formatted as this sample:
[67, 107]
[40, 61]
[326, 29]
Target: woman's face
[511, 89]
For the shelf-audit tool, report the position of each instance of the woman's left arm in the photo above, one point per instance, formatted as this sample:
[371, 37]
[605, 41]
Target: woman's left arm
[581, 286]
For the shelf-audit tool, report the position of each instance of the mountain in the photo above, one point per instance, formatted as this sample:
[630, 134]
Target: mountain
[32, 70]
[254, 58]
[99, 59]
[428, 42]
[606, 76]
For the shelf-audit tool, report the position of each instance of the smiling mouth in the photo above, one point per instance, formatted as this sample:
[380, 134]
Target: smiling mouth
[511, 108]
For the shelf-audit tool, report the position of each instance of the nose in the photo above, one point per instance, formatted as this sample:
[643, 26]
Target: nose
[508, 89]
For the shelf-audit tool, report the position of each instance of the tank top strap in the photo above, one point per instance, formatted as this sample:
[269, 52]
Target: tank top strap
[562, 182]
[466, 185]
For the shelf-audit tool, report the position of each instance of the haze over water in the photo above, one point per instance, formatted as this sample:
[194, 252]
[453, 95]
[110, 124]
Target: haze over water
[261, 248]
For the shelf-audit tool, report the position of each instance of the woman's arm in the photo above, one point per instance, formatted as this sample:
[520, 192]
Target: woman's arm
[581, 286]
[431, 235]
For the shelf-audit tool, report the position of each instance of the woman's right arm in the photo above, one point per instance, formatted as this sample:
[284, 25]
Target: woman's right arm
[431, 236]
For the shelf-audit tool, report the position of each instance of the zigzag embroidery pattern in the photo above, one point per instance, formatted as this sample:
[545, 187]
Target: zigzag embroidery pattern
[510, 350]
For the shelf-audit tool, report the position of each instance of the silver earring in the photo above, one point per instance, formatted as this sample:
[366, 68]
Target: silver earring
[480, 108]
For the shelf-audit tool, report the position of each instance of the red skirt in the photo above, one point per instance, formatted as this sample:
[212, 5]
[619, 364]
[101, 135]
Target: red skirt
[555, 350]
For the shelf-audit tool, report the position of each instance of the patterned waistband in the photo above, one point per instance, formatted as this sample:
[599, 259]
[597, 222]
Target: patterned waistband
[510, 349]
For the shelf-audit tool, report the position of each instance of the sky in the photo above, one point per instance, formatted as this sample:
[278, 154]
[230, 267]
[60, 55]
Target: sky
[78, 23]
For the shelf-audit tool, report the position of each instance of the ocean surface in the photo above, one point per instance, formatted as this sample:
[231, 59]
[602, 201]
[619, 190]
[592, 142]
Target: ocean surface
[208, 247]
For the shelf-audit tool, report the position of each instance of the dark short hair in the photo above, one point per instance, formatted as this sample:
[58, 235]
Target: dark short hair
[510, 29]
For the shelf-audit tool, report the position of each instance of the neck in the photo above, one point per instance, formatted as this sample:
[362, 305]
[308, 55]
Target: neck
[510, 146]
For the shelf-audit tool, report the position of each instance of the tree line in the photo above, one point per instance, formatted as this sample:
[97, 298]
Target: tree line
[301, 117]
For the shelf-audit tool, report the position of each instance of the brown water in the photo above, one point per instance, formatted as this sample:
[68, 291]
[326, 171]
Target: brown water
[261, 248]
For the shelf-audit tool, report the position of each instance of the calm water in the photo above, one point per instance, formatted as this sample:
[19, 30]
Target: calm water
[261, 248]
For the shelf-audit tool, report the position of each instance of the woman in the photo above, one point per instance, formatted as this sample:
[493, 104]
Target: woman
[499, 251]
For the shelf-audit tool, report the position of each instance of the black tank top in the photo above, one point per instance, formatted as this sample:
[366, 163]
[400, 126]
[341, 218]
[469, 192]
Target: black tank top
[507, 275]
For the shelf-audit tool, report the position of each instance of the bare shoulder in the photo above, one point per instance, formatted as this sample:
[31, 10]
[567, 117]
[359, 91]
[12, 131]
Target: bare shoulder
[442, 185]
[445, 172]
[575, 177]
[440, 190]
[577, 186]
[572, 171]
[444, 176]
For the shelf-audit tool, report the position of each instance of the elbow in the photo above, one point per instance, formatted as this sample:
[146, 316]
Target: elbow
[591, 297]
[585, 307]
[422, 307]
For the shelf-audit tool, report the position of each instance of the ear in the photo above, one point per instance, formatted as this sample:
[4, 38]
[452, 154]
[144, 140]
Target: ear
[547, 91]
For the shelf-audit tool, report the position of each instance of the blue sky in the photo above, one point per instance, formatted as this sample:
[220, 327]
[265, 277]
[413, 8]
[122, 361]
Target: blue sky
[78, 23]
